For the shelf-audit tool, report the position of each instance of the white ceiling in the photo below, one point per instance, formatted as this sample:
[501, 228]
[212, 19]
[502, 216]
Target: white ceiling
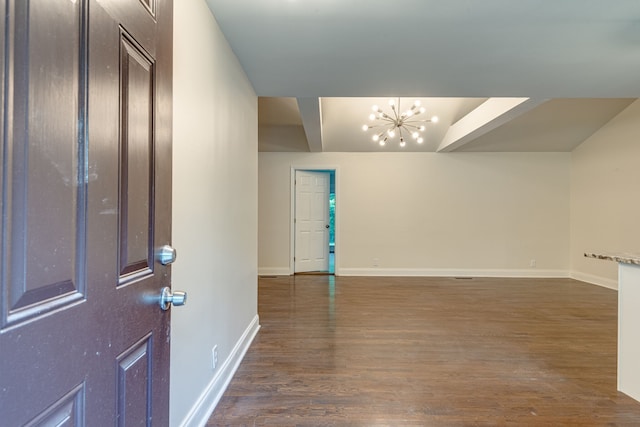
[575, 59]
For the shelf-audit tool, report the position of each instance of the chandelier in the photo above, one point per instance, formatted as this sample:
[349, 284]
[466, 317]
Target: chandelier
[408, 123]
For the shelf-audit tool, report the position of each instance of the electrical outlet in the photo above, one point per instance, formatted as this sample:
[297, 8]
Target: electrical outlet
[376, 261]
[532, 263]
[214, 356]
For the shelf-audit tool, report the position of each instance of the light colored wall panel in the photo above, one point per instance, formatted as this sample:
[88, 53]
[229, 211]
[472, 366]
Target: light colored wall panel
[422, 212]
[214, 211]
[605, 196]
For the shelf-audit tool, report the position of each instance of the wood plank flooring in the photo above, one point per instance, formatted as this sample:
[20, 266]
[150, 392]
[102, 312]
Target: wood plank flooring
[357, 351]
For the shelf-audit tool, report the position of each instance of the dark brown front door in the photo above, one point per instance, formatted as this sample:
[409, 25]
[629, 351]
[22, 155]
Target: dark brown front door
[86, 203]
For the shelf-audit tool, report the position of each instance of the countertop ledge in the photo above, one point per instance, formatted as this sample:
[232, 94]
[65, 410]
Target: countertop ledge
[624, 258]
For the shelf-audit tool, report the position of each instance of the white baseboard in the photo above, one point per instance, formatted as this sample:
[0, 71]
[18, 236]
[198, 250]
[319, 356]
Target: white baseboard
[595, 280]
[273, 271]
[450, 272]
[206, 403]
[443, 272]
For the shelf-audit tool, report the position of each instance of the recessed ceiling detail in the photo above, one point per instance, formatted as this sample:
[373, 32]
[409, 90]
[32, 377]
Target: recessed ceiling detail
[465, 124]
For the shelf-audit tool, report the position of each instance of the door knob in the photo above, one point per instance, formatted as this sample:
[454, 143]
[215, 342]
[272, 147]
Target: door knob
[326, 226]
[177, 298]
[167, 255]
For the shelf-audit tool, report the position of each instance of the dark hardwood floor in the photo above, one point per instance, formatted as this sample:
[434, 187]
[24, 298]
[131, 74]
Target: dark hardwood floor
[430, 352]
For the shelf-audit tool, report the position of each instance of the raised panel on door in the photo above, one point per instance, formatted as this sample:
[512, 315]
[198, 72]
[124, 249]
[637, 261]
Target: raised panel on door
[136, 162]
[303, 226]
[65, 412]
[42, 200]
[135, 383]
[319, 220]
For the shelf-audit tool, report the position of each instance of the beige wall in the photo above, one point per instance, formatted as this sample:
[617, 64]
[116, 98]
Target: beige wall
[214, 211]
[429, 213]
[605, 196]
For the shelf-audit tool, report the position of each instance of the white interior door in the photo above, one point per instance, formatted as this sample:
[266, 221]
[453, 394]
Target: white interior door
[311, 251]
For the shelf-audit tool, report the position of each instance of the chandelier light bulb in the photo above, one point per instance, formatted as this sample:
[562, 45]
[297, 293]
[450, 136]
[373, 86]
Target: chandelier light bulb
[391, 133]
[422, 110]
[392, 102]
[382, 143]
[421, 128]
[415, 135]
[375, 108]
[372, 116]
[420, 140]
[416, 103]
[365, 128]
[375, 137]
[435, 119]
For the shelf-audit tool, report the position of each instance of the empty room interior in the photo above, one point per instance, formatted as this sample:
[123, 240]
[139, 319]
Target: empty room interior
[386, 213]
[529, 164]
[406, 213]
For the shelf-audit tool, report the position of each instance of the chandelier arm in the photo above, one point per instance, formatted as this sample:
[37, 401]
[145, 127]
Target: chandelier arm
[393, 119]
[386, 118]
[412, 126]
[411, 122]
[396, 113]
[380, 125]
[416, 119]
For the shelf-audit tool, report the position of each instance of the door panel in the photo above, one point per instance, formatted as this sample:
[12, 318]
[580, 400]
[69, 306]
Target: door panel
[86, 178]
[141, 22]
[40, 176]
[137, 163]
[134, 384]
[67, 411]
[311, 221]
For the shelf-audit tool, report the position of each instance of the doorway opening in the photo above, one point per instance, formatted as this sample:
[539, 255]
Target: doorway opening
[314, 218]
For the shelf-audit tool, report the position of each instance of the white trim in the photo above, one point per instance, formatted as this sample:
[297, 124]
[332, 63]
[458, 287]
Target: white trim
[273, 271]
[437, 272]
[311, 114]
[595, 280]
[292, 215]
[493, 113]
[206, 403]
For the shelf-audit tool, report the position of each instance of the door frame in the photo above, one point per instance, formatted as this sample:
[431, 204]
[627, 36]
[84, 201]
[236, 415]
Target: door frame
[292, 214]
